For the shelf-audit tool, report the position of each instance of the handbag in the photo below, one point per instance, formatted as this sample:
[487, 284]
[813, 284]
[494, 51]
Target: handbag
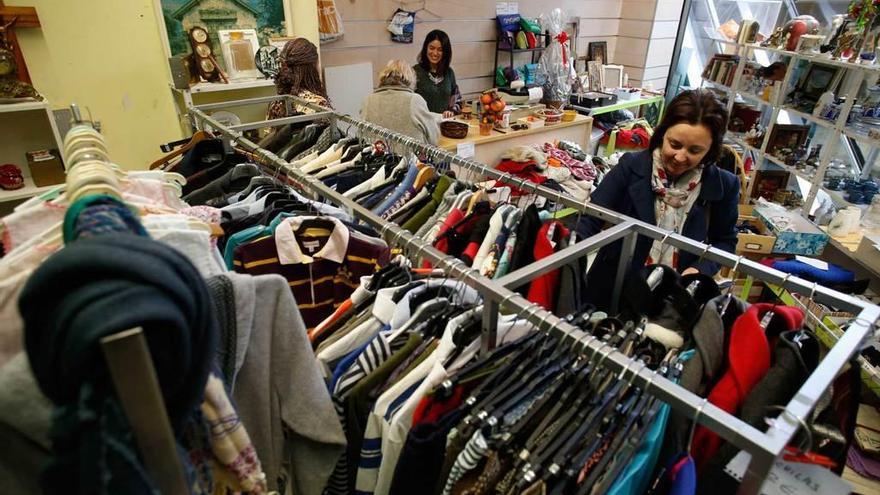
[508, 26]
[521, 41]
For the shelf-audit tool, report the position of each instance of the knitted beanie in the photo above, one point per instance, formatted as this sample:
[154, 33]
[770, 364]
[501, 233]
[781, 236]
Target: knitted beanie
[93, 288]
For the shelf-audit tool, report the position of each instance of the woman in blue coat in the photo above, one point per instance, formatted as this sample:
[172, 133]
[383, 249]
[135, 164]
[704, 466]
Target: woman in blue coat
[675, 185]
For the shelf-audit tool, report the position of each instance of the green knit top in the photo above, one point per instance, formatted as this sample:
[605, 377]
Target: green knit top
[440, 96]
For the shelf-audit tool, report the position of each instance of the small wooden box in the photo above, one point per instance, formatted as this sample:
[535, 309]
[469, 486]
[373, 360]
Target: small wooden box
[46, 168]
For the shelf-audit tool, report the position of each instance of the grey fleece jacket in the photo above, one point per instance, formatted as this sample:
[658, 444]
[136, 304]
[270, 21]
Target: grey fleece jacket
[281, 398]
[401, 110]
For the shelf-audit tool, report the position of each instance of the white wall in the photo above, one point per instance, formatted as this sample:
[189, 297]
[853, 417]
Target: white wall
[646, 39]
[471, 27]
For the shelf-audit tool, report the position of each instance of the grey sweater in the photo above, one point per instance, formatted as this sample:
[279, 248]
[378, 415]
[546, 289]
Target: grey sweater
[280, 395]
[401, 110]
[281, 398]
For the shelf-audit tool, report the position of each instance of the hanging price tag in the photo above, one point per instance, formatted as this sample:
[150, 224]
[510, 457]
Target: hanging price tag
[791, 478]
[465, 150]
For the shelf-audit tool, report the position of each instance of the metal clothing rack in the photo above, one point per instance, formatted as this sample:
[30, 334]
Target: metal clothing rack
[764, 447]
[127, 353]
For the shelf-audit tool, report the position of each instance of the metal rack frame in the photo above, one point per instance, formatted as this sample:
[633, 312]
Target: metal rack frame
[764, 447]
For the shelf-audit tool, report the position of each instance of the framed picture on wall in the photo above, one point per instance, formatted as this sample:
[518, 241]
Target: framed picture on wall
[788, 137]
[597, 51]
[769, 182]
[268, 18]
[819, 79]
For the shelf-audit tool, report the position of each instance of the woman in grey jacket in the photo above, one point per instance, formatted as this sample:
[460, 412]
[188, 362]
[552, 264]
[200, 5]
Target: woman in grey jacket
[395, 106]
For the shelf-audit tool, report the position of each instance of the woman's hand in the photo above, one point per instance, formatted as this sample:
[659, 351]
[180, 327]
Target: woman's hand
[447, 114]
[690, 271]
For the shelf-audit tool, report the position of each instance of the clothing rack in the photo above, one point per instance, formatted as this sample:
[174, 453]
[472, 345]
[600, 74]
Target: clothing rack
[764, 447]
[126, 353]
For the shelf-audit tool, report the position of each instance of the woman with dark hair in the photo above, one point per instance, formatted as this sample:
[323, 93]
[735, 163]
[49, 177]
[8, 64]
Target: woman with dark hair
[298, 76]
[676, 185]
[435, 78]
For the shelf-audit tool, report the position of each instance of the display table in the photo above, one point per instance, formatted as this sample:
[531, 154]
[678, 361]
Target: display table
[859, 257]
[488, 149]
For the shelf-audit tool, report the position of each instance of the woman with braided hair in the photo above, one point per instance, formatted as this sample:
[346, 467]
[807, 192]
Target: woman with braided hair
[298, 76]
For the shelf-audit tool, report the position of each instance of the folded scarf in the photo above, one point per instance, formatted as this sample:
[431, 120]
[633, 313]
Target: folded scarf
[93, 288]
[99, 215]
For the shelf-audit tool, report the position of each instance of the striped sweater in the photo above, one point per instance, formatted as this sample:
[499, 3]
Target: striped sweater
[323, 271]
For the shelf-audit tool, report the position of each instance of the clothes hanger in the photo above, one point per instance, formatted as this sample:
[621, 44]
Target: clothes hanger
[633, 441]
[425, 174]
[578, 432]
[729, 295]
[768, 316]
[575, 418]
[564, 411]
[522, 369]
[196, 138]
[630, 419]
[515, 396]
[478, 196]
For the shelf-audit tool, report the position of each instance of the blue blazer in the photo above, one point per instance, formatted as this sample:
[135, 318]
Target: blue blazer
[626, 189]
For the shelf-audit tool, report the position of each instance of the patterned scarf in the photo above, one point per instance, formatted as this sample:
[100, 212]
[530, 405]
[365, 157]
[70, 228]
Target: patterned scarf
[674, 199]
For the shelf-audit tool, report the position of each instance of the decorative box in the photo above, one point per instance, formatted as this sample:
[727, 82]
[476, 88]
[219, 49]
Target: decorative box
[592, 99]
[794, 233]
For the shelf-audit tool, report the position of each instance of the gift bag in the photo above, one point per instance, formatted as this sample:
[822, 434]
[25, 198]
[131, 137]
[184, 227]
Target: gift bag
[401, 26]
[508, 27]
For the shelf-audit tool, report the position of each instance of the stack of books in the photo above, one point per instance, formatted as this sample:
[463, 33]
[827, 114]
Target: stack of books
[721, 69]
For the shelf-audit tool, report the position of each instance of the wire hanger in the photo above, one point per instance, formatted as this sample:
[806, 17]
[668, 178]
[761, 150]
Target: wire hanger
[729, 296]
[694, 425]
[423, 8]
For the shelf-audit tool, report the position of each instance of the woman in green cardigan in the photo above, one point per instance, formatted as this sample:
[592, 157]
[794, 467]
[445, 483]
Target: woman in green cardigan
[435, 78]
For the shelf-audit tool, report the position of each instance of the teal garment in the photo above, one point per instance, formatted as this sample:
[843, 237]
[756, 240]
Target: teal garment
[637, 475]
[239, 238]
[249, 234]
[439, 97]
[504, 260]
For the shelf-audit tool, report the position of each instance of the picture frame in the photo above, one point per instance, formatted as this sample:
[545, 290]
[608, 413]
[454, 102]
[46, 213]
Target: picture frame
[269, 18]
[787, 136]
[597, 51]
[248, 35]
[612, 74]
[596, 75]
[817, 80]
[768, 182]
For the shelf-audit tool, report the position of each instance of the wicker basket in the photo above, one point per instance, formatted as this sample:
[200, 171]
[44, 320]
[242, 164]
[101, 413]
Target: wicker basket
[453, 129]
[551, 116]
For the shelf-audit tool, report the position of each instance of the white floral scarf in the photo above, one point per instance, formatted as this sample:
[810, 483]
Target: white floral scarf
[674, 199]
